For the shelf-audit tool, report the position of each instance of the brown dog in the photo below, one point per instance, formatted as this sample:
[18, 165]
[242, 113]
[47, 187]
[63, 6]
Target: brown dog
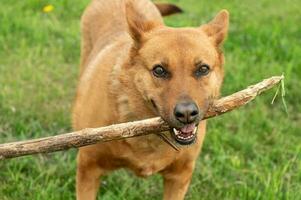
[133, 67]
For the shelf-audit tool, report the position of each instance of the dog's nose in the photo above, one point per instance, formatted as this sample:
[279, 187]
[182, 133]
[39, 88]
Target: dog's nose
[186, 112]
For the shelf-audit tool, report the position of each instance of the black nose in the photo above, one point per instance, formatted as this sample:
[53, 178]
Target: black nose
[186, 112]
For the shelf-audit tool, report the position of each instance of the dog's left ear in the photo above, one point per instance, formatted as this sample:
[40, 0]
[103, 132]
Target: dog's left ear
[217, 29]
[138, 24]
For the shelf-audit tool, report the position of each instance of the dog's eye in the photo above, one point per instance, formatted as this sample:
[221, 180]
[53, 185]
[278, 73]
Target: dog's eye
[159, 71]
[203, 70]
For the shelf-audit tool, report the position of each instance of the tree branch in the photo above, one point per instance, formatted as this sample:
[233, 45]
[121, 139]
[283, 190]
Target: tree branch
[125, 130]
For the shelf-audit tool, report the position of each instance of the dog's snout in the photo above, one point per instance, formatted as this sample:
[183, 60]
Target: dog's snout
[186, 112]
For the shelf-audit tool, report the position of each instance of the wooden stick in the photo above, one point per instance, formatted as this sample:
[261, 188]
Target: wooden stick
[125, 130]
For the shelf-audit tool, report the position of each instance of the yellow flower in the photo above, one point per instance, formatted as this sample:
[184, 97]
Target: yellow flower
[48, 8]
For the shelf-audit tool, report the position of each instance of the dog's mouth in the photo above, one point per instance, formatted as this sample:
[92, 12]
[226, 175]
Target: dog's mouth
[185, 135]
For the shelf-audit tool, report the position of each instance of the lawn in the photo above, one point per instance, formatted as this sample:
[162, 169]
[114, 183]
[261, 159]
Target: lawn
[250, 153]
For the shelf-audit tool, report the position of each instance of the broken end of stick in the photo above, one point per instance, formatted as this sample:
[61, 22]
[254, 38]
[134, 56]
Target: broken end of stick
[277, 79]
[242, 97]
[282, 76]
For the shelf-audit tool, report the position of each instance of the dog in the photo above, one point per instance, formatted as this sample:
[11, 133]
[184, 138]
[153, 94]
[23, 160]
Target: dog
[134, 67]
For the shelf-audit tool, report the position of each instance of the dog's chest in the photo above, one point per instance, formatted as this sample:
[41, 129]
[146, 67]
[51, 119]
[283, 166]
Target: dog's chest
[148, 155]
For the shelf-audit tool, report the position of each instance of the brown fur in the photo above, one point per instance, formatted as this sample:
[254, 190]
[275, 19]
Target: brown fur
[121, 41]
[168, 9]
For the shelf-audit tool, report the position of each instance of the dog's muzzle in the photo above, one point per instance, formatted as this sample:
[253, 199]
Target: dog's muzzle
[185, 135]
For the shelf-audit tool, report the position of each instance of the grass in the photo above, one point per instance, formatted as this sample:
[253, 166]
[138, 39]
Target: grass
[250, 153]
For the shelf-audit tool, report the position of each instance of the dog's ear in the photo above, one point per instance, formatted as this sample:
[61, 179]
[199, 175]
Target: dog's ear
[138, 23]
[217, 29]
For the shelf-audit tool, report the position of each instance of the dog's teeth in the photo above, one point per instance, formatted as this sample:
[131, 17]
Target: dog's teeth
[195, 129]
[175, 131]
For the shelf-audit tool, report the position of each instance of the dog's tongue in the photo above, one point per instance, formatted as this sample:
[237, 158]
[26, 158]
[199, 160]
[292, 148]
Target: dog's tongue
[188, 128]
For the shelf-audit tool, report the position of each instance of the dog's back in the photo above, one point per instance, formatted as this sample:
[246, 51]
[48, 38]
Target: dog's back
[105, 43]
[103, 20]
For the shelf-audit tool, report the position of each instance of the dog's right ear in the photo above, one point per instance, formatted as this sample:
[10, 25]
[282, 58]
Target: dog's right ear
[138, 24]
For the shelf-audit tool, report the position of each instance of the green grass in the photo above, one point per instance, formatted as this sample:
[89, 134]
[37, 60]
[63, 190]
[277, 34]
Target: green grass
[251, 153]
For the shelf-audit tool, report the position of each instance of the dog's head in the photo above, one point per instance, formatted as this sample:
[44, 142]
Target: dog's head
[178, 71]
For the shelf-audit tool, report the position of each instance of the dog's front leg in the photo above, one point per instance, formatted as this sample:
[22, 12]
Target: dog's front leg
[176, 180]
[87, 179]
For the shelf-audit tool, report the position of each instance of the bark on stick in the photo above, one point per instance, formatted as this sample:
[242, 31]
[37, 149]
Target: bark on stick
[130, 129]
